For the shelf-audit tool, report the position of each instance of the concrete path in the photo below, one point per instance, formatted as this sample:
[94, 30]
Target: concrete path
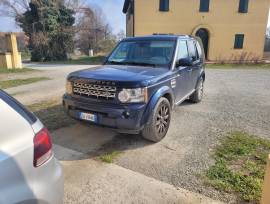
[89, 181]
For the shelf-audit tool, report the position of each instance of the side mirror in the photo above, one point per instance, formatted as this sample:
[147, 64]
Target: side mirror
[185, 62]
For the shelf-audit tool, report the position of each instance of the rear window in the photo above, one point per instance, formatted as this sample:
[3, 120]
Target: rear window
[18, 107]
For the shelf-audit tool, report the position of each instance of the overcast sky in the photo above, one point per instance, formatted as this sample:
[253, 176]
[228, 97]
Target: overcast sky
[111, 8]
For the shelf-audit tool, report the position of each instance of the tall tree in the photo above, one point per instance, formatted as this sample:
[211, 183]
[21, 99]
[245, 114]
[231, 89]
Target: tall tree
[47, 23]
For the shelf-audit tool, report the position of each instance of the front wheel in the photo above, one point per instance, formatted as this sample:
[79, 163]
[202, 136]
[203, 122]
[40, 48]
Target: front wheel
[159, 121]
[197, 96]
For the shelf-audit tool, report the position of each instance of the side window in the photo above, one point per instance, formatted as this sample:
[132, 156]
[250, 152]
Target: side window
[243, 6]
[182, 50]
[192, 50]
[199, 49]
[164, 5]
[20, 109]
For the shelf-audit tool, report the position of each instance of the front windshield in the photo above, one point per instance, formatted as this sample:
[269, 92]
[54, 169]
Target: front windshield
[150, 53]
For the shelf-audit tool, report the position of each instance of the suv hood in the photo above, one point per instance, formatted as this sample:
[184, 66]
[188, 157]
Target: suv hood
[139, 75]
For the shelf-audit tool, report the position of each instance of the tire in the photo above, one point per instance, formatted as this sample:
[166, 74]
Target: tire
[158, 123]
[197, 96]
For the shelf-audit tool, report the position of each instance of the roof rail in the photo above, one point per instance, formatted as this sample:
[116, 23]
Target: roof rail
[163, 34]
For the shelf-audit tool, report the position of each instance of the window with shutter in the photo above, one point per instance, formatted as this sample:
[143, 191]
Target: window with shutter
[243, 6]
[164, 5]
[239, 41]
[204, 5]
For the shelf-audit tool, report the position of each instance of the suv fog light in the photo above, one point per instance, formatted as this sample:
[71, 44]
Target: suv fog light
[126, 114]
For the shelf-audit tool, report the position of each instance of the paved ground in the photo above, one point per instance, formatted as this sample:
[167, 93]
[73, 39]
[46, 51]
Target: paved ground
[234, 100]
[43, 90]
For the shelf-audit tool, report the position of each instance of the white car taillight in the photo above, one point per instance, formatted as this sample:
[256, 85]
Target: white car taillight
[42, 147]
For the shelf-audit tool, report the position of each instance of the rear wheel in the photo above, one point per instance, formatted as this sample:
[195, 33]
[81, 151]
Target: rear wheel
[158, 124]
[197, 96]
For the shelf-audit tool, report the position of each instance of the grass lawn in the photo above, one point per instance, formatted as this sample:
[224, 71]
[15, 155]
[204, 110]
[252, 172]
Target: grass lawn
[19, 82]
[7, 71]
[240, 162]
[110, 157]
[238, 66]
[83, 61]
[52, 114]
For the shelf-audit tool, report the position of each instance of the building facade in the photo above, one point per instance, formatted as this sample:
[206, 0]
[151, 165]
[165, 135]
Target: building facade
[230, 30]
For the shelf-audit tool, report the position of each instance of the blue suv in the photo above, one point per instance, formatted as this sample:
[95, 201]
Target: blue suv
[138, 85]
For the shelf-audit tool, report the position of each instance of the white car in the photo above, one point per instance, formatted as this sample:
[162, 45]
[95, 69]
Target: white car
[29, 172]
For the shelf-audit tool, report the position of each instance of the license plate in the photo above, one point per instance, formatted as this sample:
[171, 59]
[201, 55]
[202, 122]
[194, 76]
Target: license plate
[88, 117]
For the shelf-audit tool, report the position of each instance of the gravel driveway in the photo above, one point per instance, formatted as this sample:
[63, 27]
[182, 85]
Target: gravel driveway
[234, 100]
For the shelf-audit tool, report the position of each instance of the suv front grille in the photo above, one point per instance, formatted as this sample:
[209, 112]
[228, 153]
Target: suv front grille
[94, 90]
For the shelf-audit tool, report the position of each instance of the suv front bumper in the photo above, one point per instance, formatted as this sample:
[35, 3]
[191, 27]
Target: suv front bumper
[122, 118]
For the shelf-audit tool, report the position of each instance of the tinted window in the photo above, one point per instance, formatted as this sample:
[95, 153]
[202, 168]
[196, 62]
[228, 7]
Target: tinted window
[243, 6]
[182, 50]
[19, 108]
[164, 5]
[192, 50]
[239, 41]
[204, 5]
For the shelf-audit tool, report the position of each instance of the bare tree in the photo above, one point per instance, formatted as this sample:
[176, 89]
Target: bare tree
[13, 8]
[93, 31]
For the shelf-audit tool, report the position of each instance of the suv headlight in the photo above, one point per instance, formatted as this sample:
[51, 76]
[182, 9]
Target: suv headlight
[133, 95]
[69, 87]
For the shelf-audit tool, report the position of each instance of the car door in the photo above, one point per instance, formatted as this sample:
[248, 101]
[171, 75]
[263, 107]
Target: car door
[182, 74]
[196, 73]
[194, 70]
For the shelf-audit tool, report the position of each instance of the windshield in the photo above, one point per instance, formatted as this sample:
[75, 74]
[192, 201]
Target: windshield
[144, 53]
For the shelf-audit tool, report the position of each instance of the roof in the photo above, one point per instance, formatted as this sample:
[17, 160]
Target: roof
[126, 6]
[157, 37]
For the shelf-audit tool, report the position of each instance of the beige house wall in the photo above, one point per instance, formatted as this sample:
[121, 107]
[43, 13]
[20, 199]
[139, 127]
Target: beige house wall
[222, 21]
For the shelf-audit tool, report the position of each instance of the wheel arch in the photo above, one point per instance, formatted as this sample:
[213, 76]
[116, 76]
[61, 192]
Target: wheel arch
[165, 92]
[202, 76]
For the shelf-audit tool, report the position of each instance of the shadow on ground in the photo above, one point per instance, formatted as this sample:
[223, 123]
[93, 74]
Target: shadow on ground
[81, 140]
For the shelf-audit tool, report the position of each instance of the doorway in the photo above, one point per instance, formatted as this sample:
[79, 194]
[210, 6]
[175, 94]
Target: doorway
[204, 35]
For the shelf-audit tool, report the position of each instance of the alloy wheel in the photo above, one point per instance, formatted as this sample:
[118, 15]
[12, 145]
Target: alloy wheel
[163, 119]
[200, 90]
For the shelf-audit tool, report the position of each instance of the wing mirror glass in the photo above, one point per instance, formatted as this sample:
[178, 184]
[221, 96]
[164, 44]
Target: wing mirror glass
[185, 62]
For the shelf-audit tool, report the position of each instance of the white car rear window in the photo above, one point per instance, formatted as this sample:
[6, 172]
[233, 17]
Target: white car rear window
[19, 108]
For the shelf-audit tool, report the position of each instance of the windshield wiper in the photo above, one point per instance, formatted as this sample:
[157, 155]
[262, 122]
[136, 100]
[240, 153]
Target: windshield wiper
[115, 62]
[141, 64]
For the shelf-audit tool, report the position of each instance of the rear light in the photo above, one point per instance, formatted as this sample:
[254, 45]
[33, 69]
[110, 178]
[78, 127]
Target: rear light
[42, 147]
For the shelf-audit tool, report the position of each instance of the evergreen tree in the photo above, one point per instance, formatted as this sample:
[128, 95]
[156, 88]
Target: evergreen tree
[49, 25]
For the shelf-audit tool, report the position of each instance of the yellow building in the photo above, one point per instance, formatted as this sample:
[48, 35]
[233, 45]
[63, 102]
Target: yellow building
[230, 29]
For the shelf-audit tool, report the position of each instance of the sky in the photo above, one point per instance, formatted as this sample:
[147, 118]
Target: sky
[112, 10]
